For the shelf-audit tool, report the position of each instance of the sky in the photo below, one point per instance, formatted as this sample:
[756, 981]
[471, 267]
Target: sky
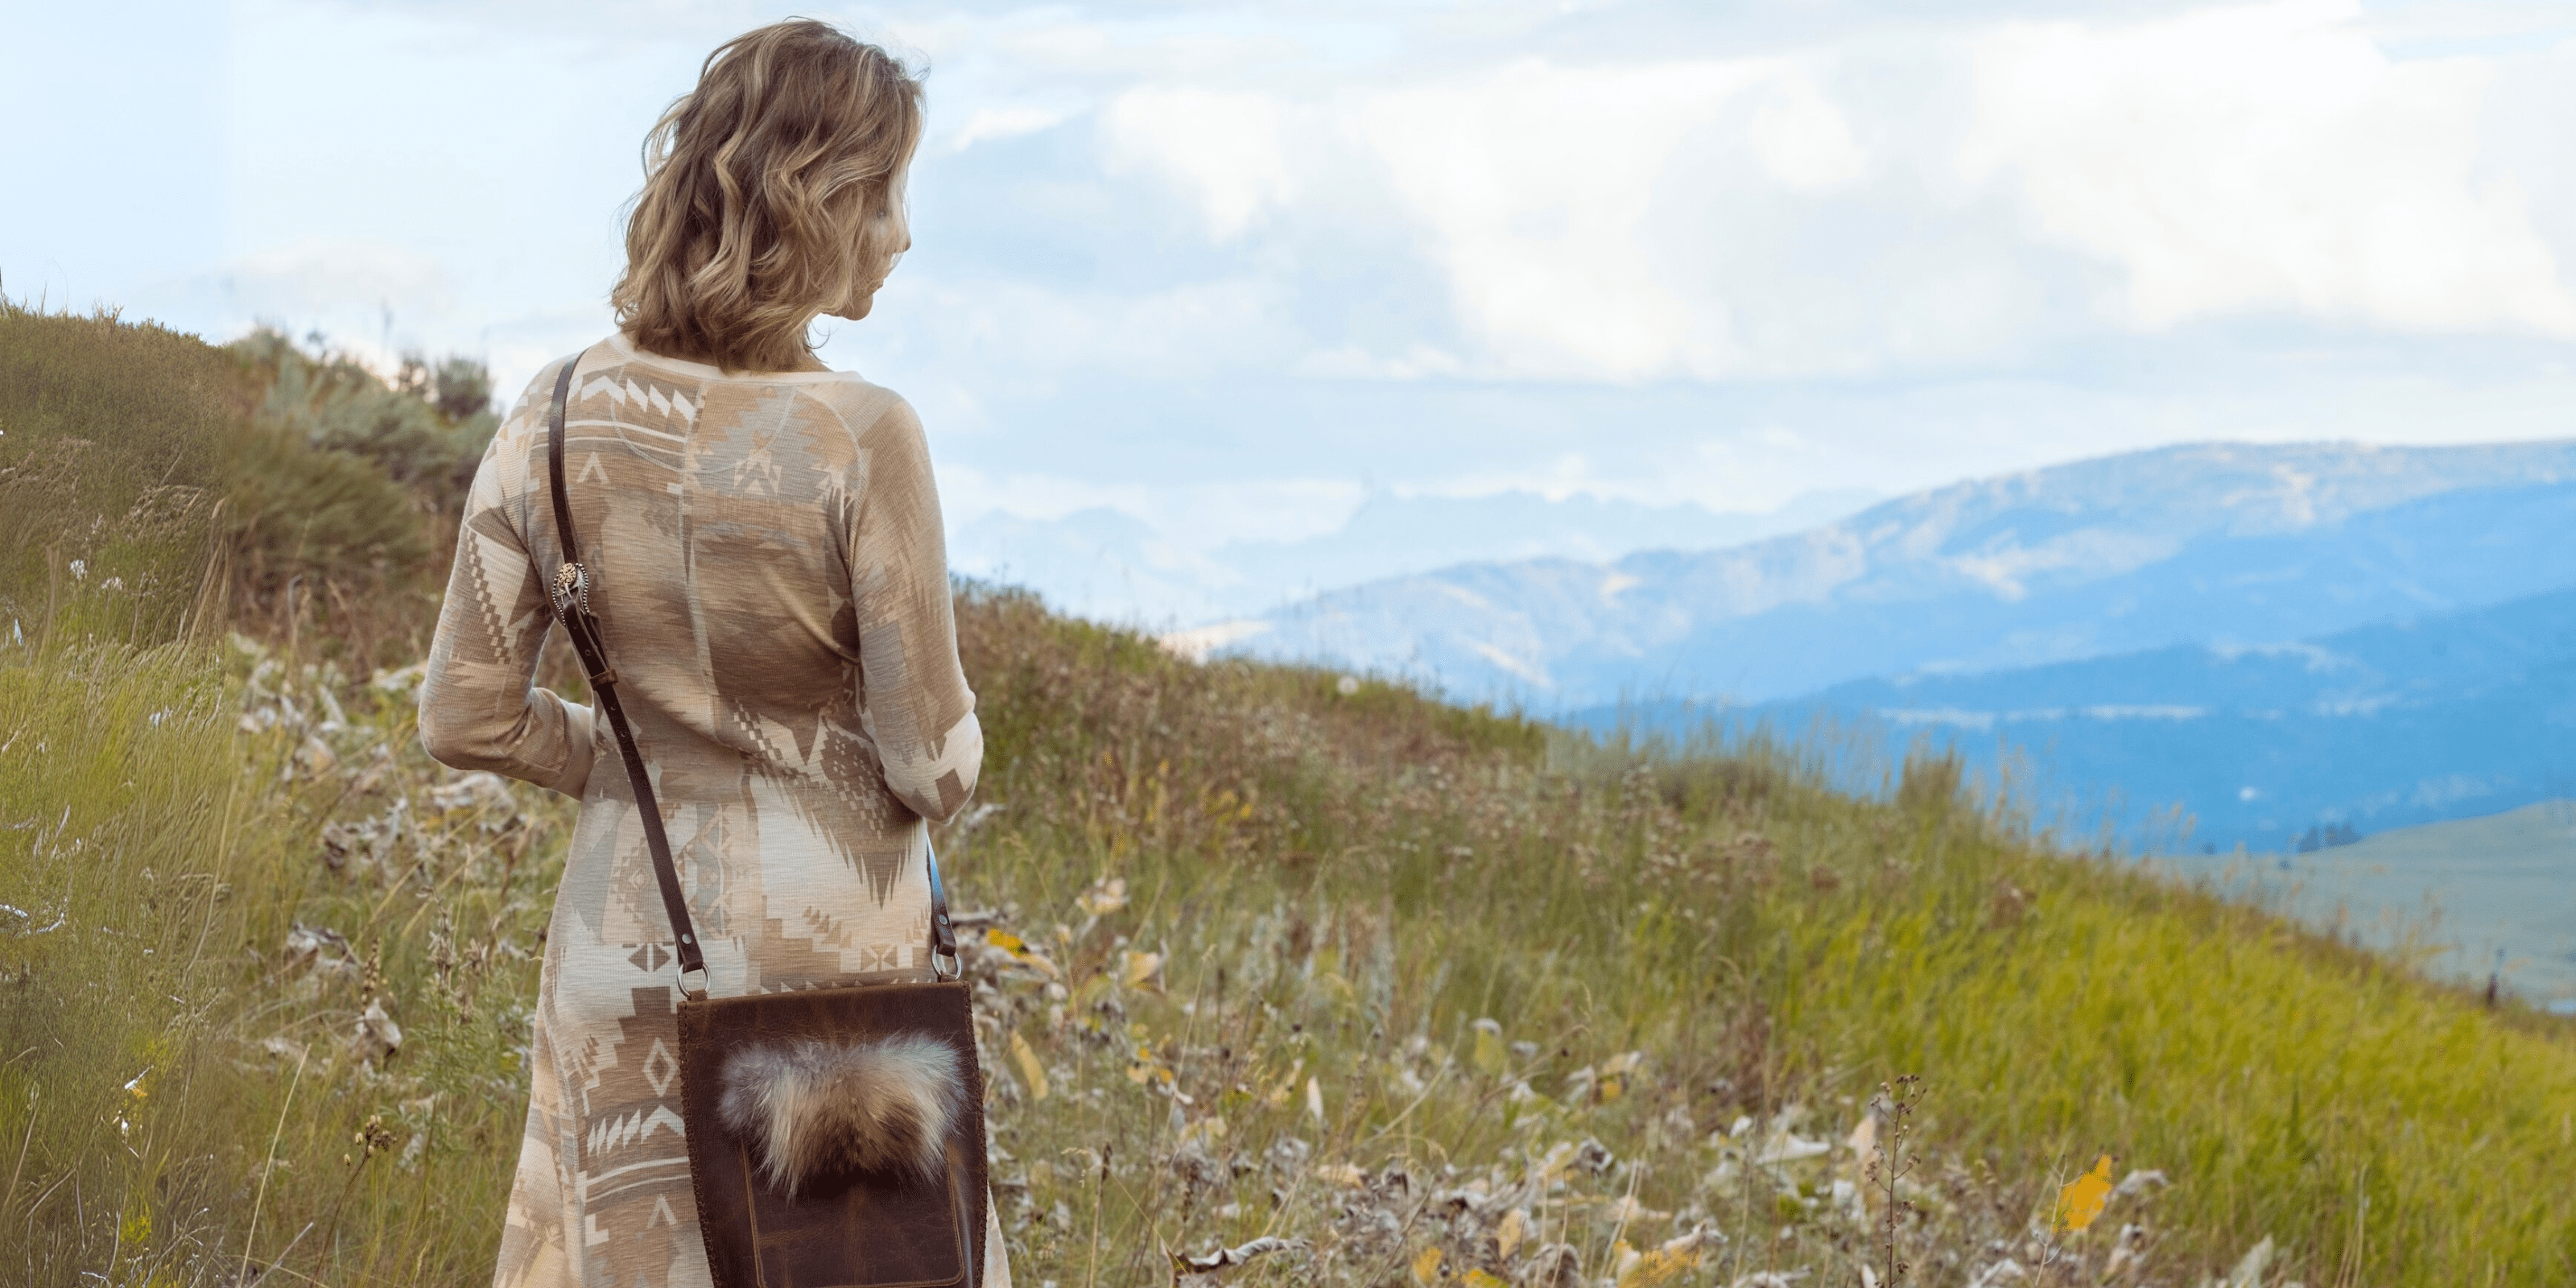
[1229, 270]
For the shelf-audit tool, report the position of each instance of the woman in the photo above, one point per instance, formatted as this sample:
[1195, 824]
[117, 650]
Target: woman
[770, 575]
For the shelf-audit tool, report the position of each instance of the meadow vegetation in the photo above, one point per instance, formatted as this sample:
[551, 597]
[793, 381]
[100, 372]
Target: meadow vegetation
[1284, 976]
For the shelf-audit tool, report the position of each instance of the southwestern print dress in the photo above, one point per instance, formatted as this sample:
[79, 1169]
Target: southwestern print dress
[769, 570]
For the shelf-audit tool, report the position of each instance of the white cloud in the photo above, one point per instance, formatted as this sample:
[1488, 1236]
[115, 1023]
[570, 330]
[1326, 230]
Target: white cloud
[1224, 149]
[2264, 159]
[1802, 138]
[1018, 330]
[1535, 186]
[1004, 123]
[1561, 205]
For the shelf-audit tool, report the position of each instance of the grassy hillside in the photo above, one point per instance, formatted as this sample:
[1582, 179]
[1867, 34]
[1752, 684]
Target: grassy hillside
[2456, 895]
[1432, 994]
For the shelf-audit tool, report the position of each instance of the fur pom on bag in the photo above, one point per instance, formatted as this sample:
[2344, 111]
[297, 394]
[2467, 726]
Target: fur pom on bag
[813, 1107]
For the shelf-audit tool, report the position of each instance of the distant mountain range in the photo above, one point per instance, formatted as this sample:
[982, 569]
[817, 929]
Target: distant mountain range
[2382, 726]
[2218, 544]
[1111, 566]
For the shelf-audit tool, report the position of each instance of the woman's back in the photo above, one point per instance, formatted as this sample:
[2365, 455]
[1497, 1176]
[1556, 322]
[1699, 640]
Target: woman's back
[768, 571]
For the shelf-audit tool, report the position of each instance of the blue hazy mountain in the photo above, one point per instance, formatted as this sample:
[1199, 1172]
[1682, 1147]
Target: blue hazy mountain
[1111, 566]
[2223, 544]
[2382, 726]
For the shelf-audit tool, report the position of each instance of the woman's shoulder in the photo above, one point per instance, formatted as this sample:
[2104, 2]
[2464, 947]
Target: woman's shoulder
[870, 408]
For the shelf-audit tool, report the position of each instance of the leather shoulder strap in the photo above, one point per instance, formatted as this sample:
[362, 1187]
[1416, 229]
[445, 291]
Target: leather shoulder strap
[572, 608]
[564, 534]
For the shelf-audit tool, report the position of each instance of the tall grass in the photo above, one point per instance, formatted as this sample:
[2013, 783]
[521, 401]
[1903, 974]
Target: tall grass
[214, 881]
[112, 444]
[153, 485]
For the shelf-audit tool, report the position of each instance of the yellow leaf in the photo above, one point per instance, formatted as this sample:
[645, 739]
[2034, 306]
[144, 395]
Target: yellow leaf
[1006, 941]
[1029, 1067]
[1657, 1266]
[2083, 1200]
[1483, 1279]
[1426, 1268]
[1515, 1227]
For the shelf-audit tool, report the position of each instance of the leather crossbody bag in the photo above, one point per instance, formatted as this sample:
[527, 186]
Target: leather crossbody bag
[836, 1135]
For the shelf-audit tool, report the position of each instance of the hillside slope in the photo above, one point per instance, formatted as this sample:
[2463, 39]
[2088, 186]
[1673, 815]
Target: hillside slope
[2212, 543]
[1424, 992]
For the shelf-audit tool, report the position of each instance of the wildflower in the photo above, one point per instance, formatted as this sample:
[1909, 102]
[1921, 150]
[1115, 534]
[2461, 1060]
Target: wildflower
[1106, 895]
[374, 1137]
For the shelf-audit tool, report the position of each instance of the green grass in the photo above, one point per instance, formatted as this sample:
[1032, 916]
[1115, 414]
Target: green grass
[179, 1090]
[1355, 968]
[112, 444]
[154, 486]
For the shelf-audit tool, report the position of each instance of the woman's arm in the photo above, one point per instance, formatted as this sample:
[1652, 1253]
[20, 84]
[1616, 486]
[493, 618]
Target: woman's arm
[477, 709]
[914, 701]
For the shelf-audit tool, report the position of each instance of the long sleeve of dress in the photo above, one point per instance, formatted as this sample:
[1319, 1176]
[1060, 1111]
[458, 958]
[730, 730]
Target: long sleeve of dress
[916, 707]
[478, 709]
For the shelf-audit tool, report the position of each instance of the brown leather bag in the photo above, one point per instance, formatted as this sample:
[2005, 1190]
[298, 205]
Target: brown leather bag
[836, 1135]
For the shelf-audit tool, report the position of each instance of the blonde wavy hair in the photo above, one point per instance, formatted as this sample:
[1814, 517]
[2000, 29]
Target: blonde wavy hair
[773, 192]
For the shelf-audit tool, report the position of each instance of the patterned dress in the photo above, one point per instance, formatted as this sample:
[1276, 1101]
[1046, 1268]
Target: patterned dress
[770, 575]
